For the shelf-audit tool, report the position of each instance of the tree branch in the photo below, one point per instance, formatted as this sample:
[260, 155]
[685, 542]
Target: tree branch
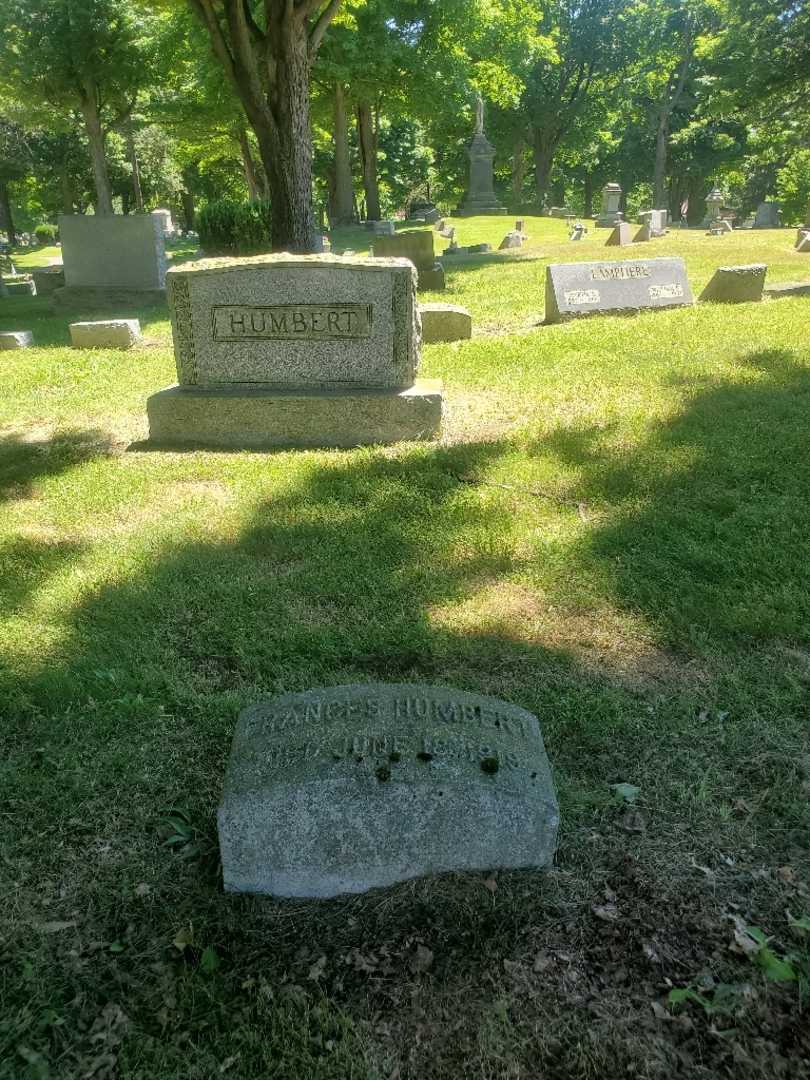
[321, 24]
[204, 11]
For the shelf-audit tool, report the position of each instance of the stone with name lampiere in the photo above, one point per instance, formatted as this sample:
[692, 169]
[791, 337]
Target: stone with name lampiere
[588, 288]
[350, 788]
[294, 350]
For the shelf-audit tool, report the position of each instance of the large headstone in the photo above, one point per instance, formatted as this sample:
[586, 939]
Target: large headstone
[286, 350]
[610, 215]
[714, 205]
[112, 259]
[767, 216]
[355, 787]
[656, 222]
[736, 284]
[480, 197]
[417, 246]
[589, 288]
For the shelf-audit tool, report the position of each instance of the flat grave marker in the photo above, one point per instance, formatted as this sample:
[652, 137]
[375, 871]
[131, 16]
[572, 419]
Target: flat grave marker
[588, 288]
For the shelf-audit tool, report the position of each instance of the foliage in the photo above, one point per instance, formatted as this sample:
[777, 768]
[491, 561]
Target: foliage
[46, 233]
[793, 188]
[227, 227]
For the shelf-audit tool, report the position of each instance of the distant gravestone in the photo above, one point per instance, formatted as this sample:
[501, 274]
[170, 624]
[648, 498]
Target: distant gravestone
[787, 289]
[736, 284]
[384, 228]
[767, 216]
[416, 245]
[109, 334]
[560, 212]
[480, 197]
[432, 216]
[588, 288]
[112, 259]
[286, 350]
[610, 214]
[20, 287]
[643, 235]
[165, 219]
[714, 204]
[578, 231]
[803, 243]
[16, 339]
[511, 240]
[445, 322]
[655, 220]
[621, 236]
[351, 788]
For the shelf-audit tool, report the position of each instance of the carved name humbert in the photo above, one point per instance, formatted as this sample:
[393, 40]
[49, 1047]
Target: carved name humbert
[620, 272]
[287, 322]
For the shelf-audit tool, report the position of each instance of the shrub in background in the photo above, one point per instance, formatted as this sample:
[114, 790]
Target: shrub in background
[46, 234]
[227, 227]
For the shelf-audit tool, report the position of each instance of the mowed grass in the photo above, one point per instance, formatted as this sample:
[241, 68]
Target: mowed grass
[613, 532]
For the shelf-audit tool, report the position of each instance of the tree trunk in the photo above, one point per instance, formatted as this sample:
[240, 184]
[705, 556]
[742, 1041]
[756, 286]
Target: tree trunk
[6, 214]
[659, 175]
[188, 208]
[137, 190]
[66, 183]
[249, 166]
[368, 155]
[544, 147]
[588, 195]
[343, 189]
[518, 170]
[95, 138]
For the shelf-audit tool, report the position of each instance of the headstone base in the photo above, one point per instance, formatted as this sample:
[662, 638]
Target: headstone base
[262, 419]
[470, 210]
[73, 298]
[608, 221]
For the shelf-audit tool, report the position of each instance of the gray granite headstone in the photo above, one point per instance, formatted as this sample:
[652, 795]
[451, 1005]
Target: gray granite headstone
[480, 197]
[588, 288]
[610, 215]
[354, 787]
[622, 235]
[736, 284]
[767, 216]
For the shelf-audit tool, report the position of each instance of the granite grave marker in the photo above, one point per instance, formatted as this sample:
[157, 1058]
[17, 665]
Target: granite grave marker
[588, 288]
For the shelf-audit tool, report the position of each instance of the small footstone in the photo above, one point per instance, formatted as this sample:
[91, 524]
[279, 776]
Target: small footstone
[16, 339]
[112, 334]
[351, 788]
[445, 322]
[803, 245]
[736, 284]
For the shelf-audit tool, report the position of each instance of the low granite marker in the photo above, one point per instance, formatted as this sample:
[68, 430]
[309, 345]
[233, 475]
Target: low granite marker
[354, 787]
[294, 350]
[589, 288]
[445, 322]
[108, 334]
[736, 284]
[16, 339]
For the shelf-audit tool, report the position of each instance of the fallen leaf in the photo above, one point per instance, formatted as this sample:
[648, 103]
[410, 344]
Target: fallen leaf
[633, 821]
[143, 889]
[786, 874]
[606, 912]
[317, 969]
[491, 884]
[422, 959]
[183, 938]
[542, 962]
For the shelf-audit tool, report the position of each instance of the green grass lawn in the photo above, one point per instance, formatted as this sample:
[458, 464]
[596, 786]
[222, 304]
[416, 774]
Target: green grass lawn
[613, 532]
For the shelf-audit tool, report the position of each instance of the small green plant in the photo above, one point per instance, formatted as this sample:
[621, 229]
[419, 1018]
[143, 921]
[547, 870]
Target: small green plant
[46, 233]
[228, 227]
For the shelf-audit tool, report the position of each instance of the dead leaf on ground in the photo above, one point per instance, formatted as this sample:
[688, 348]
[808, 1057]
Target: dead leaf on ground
[422, 959]
[606, 912]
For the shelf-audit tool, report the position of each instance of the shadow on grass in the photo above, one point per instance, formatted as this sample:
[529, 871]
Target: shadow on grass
[702, 531]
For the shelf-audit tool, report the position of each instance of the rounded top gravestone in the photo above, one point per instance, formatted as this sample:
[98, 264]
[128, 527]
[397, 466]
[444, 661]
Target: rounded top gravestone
[349, 788]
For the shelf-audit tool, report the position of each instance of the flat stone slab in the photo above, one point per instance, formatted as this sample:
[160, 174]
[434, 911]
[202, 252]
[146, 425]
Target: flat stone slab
[434, 278]
[295, 322]
[110, 334]
[589, 288]
[445, 322]
[20, 288]
[355, 787]
[245, 418]
[788, 288]
[16, 339]
[736, 284]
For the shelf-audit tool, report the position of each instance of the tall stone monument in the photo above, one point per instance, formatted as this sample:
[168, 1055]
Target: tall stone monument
[714, 204]
[480, 197]
[611, 215]
[294, 350]
[351, 788]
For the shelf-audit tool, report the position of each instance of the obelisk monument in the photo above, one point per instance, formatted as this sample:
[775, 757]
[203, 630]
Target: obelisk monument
[480, 197]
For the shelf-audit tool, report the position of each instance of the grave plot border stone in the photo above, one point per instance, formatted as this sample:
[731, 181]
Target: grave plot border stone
[349, 788]
[574, 290]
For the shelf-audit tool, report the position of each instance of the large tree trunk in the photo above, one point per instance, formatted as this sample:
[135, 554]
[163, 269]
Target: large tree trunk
[587, 210]
[660, 172]
[342, 197]
[368, 155]
[266, 52]
[544, 147]
[188, 209]
[518, 170]
[137, 190]
[98, 158]
[249, 166]
[6, 216]
[68, 196]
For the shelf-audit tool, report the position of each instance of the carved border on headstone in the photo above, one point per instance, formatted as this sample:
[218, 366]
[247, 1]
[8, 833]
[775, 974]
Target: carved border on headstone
[405, 311]
[184, 351]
